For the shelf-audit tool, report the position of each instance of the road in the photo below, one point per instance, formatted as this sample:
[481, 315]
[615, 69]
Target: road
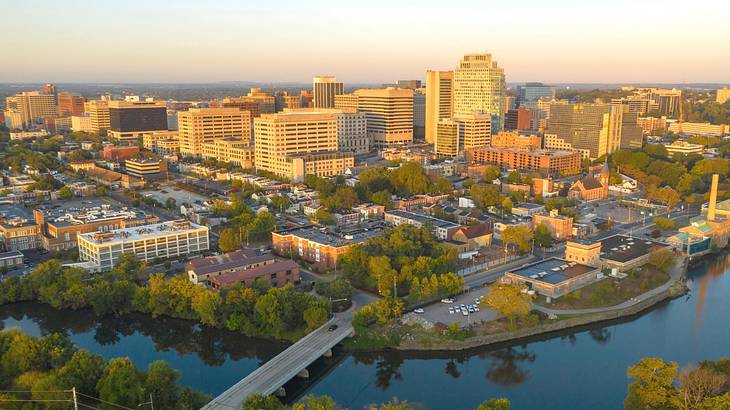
[268, 378]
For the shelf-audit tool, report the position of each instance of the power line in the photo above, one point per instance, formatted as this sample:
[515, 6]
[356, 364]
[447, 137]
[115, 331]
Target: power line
[104, 401]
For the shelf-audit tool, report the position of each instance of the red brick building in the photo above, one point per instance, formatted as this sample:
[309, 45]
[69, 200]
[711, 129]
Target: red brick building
[518, 119]
[117, 153]
[554, 162]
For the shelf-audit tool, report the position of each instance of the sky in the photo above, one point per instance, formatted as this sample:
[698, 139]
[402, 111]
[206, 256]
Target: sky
[372, 41]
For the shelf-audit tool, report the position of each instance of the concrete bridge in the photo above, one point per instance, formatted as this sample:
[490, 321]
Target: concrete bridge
[269, 378]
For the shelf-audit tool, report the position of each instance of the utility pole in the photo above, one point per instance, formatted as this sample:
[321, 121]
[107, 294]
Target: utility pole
[76, 404]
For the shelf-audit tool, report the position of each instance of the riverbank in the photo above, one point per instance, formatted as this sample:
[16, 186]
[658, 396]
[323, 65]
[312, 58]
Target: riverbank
[544, 323]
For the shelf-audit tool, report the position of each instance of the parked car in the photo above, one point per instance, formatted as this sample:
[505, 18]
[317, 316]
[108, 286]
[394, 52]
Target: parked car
[418, 310]
[447, 300]
[464, 313]
[451, 311]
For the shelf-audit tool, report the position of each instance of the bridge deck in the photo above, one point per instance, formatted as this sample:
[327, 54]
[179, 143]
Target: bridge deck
[268, 378]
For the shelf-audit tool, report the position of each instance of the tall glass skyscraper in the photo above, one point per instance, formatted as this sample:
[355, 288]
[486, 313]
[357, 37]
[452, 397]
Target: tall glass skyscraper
[529, 93]
[480, 87]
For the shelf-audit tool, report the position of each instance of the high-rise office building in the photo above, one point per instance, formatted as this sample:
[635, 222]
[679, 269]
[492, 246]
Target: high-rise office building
[722, 95]
[389, 114]
[454, 135]
[447, 138]
[419, 113]
[479, 86]
[410, 84]
[529, 93]
[439, 100]
[32, 107]
[593, 129]
[296, 143]
[98, 111]
[198, 126]
[325, 88]
[50, 89]
[346, 102]
[352, 131]
[70, 104]
[129, 119]
[668, 101]
[518, 119]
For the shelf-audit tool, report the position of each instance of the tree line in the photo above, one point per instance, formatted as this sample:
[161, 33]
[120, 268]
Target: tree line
[259, 402]
[283, 313]
[47, 368]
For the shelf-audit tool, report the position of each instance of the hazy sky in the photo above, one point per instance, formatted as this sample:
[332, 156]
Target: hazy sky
[362, 41]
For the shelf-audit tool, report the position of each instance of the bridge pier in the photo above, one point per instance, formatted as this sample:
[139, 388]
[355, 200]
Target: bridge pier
[304, 374]
[328, 353]
[281, 392]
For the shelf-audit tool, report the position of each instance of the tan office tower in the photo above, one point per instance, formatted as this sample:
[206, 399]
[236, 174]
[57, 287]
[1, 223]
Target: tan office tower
[32, 106]
[296, 143]
[446, 143]
[439, 100]
[204, 125]
[722, 95]
[98, 111]
[475, 130]
[325, 88]
[479, 86]
[594, 129]
[346, 102]
[389, 114]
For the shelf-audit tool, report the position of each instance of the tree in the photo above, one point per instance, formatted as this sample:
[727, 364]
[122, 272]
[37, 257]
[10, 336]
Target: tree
[383, 198]
[384, 274]
[315, 403]
[509, 300]
[697, 384]
[663, 224]
[261, 402]
[315, 317]
[485, 195]
[507, 205]
[279, 202]
[228, 241]
[121, 383]
[491, 173]
[519, 236]
[161, 384]
[652, 386]
[65, 193]
[83, 371]
[542, 236]
[514, 177]
[661, 258]
[170, 203]
[323, 217]
[494, 404]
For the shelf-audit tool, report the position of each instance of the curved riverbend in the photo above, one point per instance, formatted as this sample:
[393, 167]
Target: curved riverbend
[576, 369]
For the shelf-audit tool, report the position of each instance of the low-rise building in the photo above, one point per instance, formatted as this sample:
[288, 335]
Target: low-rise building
[278, 273]
[442, 230]
[548, 161]
[684, 147]
[554, 277]
[201, 269]
[618, 251]
[559, 226]
[148, 242]
[320, 247]
[474, 237]
[418, 201]
[11, 260]
[232, 150]
[146, 168]
[18, 229]
[60, 223]
[118, 153]
[527, 209]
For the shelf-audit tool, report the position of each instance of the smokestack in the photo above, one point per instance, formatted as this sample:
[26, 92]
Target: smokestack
[713, 198]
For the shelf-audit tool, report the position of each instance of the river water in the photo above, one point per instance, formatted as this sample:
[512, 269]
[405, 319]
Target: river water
[581, 369]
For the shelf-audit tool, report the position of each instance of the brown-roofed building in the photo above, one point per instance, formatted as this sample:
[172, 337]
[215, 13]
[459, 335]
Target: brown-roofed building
[201, 269]
[592, 188]
[278, 273]
[474, 236]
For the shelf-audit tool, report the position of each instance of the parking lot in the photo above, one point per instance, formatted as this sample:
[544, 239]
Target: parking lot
[180, 195]
[439, 312]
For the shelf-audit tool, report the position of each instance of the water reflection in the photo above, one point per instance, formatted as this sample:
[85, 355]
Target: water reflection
[212, 346]
[505, 367]
[601, 336]
[387, 366]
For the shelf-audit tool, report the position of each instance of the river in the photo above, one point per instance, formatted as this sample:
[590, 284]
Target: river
[582, 369]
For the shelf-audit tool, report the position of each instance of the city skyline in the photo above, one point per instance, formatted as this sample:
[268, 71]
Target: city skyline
[292, 42]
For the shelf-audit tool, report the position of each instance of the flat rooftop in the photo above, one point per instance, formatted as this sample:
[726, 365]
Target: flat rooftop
[528, 205]
[333, 239]
[140, 232]
[622, 248]
[439, 223]
[13, 216]
[78, 212]
[553, 270]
